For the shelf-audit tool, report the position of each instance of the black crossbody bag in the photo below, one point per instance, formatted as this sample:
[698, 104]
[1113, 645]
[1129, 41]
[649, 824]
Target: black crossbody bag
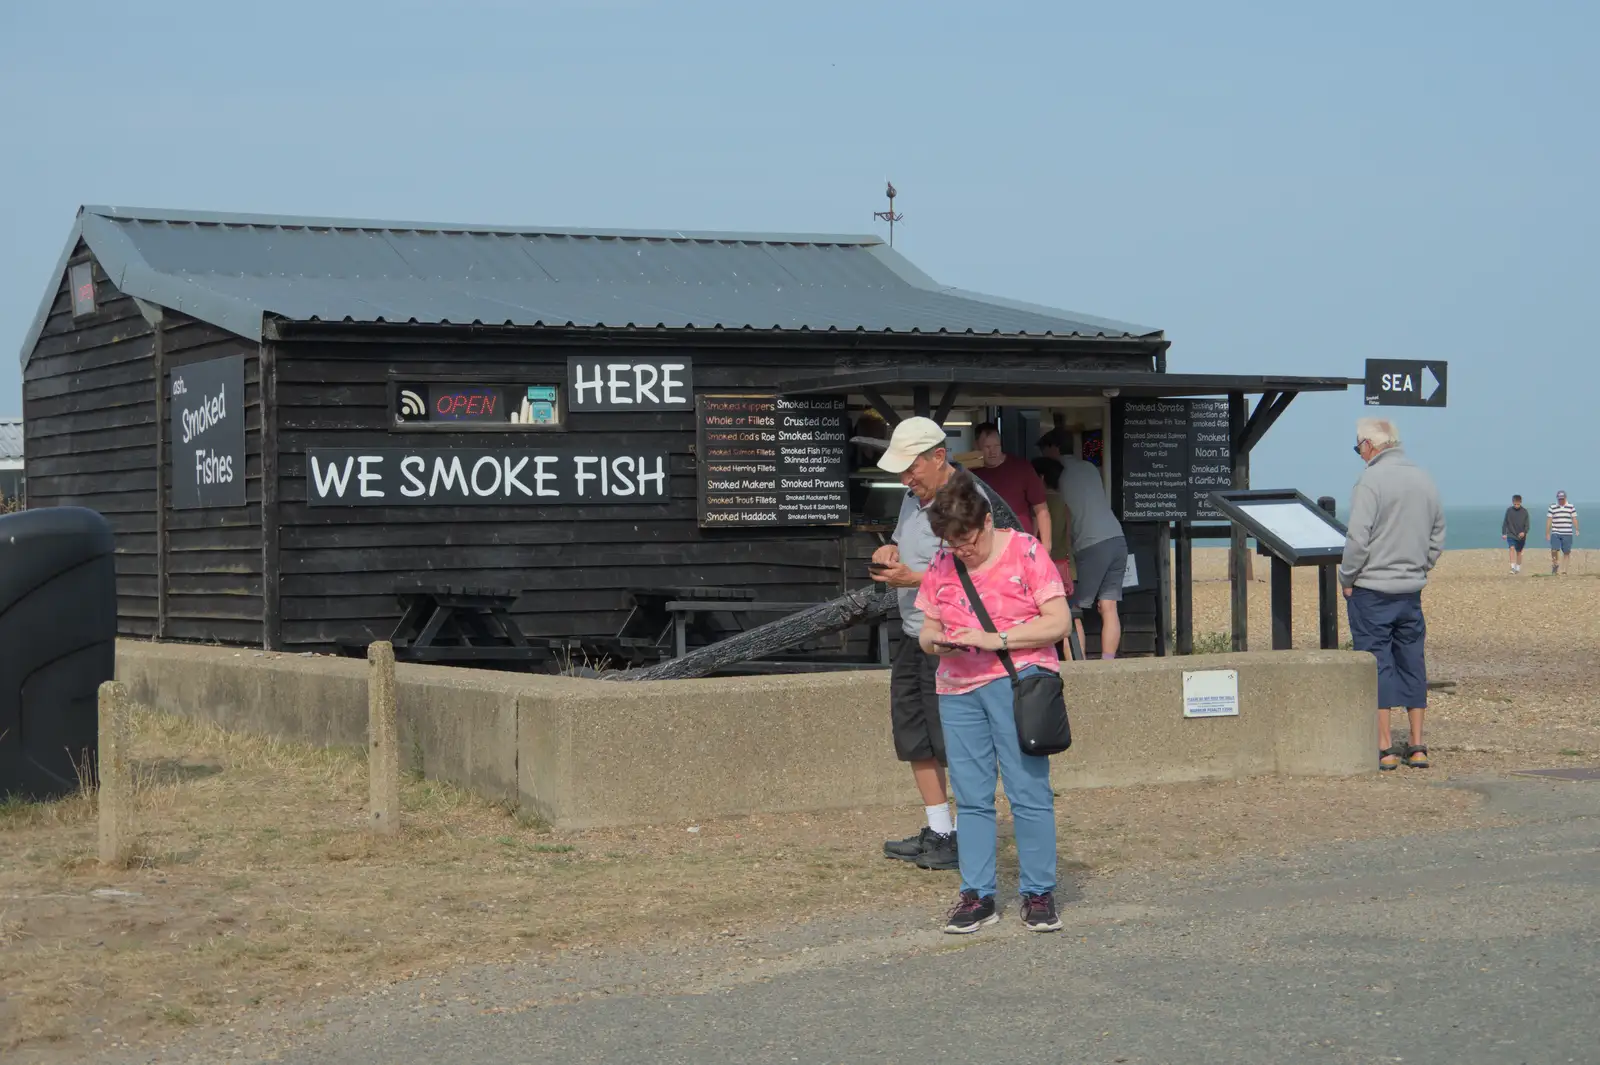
[1037, 701]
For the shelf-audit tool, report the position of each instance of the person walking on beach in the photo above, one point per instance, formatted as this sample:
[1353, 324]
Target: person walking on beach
[1396, 534]
[1514, 527]
[1015, 584]
[1560, 527]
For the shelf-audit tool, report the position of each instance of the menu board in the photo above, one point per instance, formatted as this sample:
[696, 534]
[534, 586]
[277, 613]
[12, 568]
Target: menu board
[1173, 452]
[768, 460]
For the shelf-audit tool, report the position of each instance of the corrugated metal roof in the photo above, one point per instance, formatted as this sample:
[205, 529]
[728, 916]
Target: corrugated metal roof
[231, 270]
[10, 438]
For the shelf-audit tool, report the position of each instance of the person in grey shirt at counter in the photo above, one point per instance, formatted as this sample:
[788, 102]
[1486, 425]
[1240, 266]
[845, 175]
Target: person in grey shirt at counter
[918, 454]
[1098, 547]
[1396, 533]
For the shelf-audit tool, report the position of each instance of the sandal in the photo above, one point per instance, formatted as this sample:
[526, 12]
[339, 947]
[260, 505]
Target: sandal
[1390, 752]
[1413, 751]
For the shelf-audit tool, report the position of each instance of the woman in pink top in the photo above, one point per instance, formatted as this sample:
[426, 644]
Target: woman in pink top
[1022, 591]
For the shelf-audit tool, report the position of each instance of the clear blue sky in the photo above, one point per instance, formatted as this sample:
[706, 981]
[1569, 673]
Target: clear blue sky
[1281, 187]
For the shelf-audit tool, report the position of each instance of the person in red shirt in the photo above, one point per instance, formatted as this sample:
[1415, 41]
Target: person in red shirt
[1014, 480]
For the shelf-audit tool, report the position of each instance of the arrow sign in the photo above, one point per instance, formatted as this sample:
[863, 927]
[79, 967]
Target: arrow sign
[1406, 383]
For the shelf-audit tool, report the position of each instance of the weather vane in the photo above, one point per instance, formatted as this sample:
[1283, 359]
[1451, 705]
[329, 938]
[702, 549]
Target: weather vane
[889, 215]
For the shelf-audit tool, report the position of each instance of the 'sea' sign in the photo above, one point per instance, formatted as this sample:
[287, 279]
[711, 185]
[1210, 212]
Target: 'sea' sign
[1406, 383]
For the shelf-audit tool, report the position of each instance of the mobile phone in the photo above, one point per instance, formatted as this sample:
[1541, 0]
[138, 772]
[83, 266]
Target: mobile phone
[947, 645]
[877, 567]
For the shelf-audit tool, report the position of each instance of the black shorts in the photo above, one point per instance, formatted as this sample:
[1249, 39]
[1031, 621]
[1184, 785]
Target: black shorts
[914, 704]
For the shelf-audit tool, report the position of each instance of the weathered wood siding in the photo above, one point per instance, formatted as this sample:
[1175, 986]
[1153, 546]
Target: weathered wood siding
[88, 401]
[214, 582]
[341, 565]
[92, 426]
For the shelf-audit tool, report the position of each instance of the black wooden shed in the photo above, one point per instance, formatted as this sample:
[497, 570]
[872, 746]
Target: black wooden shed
[290, 420]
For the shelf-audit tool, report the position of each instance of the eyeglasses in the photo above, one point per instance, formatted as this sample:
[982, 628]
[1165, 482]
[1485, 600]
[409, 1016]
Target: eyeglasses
[1357, 448]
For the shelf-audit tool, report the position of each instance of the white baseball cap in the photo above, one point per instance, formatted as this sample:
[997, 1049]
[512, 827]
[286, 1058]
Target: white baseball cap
[911, 438]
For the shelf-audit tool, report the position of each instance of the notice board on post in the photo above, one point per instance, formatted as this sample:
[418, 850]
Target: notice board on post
[770, 460]
[1172, 454]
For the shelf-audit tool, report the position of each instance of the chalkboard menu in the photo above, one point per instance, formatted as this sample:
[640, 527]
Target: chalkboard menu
[1172, 453]
[772, 460]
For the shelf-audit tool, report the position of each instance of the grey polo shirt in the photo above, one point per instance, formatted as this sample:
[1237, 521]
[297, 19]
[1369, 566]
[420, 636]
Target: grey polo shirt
[918, 545]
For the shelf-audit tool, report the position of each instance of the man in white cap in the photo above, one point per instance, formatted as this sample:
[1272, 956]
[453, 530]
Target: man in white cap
[917, 452]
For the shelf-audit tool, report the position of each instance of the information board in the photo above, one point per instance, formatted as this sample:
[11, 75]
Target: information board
[207, 427]
[768, 460]
[1171, 455]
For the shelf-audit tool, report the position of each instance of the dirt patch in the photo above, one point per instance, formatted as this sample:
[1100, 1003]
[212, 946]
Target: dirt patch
[256, 887]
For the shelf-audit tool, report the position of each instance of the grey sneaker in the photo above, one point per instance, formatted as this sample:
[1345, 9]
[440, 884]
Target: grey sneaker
[910, 848]
[1039, 912]
[970, 914]
[940, 853]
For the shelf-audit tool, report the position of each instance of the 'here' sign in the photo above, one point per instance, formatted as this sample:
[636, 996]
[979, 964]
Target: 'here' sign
[617, 383]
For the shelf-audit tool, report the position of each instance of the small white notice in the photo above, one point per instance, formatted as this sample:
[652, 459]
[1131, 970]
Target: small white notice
[1211, 693]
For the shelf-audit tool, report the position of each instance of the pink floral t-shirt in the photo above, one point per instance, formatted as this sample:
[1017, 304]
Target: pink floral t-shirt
[1013, 588]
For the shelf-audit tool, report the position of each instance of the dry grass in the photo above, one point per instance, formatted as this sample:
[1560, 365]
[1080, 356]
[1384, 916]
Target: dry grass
[255, 884]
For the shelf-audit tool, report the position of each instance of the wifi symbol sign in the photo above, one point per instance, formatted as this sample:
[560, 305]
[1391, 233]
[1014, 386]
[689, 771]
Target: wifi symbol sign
[411, 404]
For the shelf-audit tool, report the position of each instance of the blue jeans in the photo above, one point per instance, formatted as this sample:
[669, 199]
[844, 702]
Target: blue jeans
[980, 736]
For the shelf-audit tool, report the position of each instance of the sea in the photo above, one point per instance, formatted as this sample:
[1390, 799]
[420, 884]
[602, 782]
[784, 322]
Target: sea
[1470, 527]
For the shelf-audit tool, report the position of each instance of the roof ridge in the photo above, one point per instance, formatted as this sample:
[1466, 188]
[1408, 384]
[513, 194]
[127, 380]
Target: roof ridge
[227, 218]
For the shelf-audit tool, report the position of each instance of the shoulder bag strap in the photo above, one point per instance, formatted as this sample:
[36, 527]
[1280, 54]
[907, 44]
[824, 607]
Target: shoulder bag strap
[983, 615]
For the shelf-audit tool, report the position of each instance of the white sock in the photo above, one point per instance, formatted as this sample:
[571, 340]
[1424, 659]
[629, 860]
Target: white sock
[939, 819]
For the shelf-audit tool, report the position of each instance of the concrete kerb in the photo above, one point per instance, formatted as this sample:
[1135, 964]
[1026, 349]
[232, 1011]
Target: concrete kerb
[585, 753]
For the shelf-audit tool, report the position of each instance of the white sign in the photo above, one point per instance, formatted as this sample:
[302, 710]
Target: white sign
[1211, 693]
[1301, 527]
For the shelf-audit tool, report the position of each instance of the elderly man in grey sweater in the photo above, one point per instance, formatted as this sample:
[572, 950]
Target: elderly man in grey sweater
[1396, 535]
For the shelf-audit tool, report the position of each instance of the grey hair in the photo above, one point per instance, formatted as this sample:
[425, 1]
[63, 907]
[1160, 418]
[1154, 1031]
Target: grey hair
[1379, 432]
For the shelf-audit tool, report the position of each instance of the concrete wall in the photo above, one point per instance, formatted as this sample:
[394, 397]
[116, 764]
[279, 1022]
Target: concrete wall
[584, 753]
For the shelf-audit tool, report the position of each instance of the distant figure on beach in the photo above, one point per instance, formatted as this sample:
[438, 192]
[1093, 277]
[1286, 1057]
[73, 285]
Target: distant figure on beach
[1514, 527]
[1560, 527]
[1396, 533]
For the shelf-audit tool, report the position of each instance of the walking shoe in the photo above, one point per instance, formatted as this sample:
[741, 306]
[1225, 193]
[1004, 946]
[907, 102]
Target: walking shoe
[971, 914]
[1039, 912]
[910, 848]
[940, 853]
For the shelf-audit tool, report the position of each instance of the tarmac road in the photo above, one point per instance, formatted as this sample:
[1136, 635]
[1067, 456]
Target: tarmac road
[1480, 946]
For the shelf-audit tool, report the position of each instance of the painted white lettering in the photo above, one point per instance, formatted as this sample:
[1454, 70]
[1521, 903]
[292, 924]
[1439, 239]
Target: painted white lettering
[540, 476]
[616, 382]
[622, 485]
[583, 474]
[580, 386]
[452, 474]
[331, 478]
[669, 382]
[642, 388]
[659, 478]
[407, 465]
[511, 475]
[364, 478]
[494, 465]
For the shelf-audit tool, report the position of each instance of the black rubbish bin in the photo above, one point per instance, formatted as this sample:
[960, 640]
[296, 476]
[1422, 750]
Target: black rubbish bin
[58, 632]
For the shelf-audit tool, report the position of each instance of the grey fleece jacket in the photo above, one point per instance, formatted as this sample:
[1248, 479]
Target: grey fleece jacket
[1396, 526]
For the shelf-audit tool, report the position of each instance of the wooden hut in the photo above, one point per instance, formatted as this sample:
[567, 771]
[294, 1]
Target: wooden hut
[292, 421]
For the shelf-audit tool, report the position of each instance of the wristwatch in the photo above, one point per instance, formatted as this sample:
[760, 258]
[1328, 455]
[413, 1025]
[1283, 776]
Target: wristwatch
[1003, 642]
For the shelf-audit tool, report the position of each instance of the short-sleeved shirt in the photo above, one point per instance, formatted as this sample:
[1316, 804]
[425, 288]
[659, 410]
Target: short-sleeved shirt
[917, 543]
[1019, 484]
[1088, 508]
[1013, 588]
[1562, 519]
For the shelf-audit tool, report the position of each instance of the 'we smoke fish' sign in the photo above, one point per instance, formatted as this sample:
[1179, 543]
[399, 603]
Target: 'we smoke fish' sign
[388, 477]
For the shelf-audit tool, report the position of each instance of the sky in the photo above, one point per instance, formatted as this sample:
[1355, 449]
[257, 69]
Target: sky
[1282, 188]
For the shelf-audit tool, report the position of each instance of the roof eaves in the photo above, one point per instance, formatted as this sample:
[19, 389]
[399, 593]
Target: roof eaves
[31, 338]
[146, 214]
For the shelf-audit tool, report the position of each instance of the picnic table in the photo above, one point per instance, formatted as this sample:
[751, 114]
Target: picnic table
[458, 625]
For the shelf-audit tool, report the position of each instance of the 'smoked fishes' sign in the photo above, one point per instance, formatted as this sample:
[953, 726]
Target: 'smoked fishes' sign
[387, 477]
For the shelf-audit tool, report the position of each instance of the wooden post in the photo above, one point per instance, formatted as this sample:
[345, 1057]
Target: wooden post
[115, 794]
[163, 470]
[1238, 553]
[1183, 589]
[1282, 605]
[271, 613]
[383, 740]
[1164, 625]
[1328, 593]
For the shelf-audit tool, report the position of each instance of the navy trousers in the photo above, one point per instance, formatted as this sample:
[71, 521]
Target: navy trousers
[1390, 625]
